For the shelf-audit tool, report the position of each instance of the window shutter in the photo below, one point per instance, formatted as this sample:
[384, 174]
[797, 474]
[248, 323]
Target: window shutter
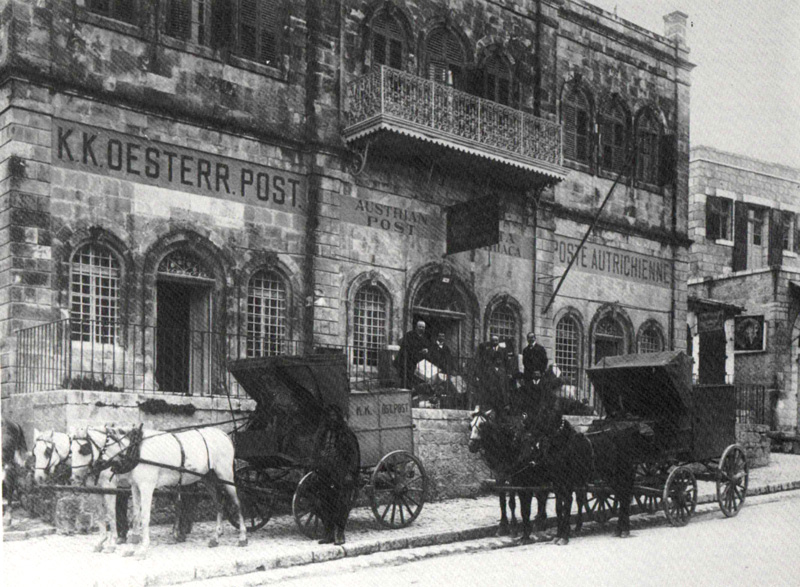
[248, 21]
[395, 54]
[739, 262]
[221, 24]
[775, 250]
[124, 10]
[668, 159]
[179, 19]
[379, 49]
[569, 116]
[270, 26]
[712, 219]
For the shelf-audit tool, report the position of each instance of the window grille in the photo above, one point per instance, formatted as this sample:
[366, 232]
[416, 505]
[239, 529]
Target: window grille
[94, 299]
[388, 42]
[503, 323]
[608, 327]
[124, 10]
[266, 315]
[651, 341]
[576, 127]
[718, 218]
[568, 349]
[648, 152]
[369, 326]
[613, 137]
[497, 80]
[445, 58]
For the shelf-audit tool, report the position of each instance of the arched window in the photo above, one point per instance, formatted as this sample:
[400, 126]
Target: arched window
[650, 340]
[568, 357]
[266, 314]
[445, 58]
[576, 119]
[369, 325]
[388, 41]
[613, 136]
[648, 139]
[609, 338]
[94, 294]
[503, 323]
[497, 80]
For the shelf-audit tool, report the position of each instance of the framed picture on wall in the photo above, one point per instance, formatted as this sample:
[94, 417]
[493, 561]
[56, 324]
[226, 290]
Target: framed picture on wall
[750, 334]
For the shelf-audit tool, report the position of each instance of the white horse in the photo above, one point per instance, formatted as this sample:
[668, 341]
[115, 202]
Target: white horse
[86, 448]
[50, 449]
[171, 459]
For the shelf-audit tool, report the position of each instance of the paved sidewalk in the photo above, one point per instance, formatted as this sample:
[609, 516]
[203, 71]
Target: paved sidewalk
[70, 560]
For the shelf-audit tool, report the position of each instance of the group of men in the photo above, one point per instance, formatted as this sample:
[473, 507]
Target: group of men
[417, 347]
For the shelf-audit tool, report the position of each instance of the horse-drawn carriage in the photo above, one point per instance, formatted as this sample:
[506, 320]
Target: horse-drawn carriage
[275, 448]
[691, 432]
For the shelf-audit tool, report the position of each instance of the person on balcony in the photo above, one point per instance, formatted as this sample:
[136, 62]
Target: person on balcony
[413, 349]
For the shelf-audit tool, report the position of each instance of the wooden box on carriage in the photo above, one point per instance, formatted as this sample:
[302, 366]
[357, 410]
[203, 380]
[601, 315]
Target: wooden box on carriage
[382, 423]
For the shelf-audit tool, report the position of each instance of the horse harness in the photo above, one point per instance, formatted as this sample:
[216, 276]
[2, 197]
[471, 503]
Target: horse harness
[50, 449]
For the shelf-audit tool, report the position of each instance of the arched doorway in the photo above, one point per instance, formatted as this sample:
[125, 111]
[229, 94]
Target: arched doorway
[184, 341]
[444, 308]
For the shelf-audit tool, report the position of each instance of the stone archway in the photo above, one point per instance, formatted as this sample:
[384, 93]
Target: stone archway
[444, 306]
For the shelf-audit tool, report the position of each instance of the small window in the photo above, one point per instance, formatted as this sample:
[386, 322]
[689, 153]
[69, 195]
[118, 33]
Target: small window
[266, 315]
[648, 138]
[497, 80]
[258, 29]
[650, 340]
[369, 326]
[445, 58]
[388, 41]
[568, 349]
[94, 294]
[613, 137]
[719, 214]
[503, 323]
[124, 10]
[787, 230]
[755, 218]
[577, 124]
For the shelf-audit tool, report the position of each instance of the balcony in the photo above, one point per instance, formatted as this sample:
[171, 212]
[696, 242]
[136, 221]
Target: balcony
[390, 100]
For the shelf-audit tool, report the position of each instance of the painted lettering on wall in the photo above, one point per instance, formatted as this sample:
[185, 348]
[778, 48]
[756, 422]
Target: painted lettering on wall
[399, 220]
[600, 259]
[104, 152]
[512, 245]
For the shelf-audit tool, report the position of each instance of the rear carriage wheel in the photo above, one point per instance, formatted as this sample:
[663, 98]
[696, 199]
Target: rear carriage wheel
[680, 496]
[397, 489]
[732, 477]
[306, 507]
[258, 503]
[648, 477]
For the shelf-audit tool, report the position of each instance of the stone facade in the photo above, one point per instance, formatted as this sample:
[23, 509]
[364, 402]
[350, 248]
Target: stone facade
[742, 255]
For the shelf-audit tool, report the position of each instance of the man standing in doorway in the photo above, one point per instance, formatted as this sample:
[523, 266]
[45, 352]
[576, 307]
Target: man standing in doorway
[413, 348]
[534, 359]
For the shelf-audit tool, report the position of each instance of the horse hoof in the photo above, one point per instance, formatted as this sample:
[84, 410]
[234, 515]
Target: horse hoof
[213, 543]
[242, 542]
[625, 534]
[121, 540]
[527, 540]
[99, 547]
[502, 530]
[134, 539]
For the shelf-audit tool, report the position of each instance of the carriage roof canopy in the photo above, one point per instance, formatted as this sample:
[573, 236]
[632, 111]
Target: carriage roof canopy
[302, 383]
[649, 385]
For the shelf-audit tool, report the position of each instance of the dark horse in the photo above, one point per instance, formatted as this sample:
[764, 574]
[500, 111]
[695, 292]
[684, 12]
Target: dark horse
[503, 447]
[573, 460]
[14, 454]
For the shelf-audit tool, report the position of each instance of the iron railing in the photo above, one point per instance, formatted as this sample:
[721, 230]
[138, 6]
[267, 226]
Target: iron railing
[753, 404]
[387, 92]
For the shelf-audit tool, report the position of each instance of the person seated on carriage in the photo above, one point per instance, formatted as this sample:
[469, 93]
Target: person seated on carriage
[336, 456]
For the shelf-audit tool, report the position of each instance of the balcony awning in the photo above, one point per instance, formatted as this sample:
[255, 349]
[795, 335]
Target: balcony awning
[393, 124]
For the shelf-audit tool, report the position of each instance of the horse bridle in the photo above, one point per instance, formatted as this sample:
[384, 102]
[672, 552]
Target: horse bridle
[51, 448]
[89, 442]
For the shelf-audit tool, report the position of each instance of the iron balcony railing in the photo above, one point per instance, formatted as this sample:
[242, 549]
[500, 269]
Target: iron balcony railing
[419, 103]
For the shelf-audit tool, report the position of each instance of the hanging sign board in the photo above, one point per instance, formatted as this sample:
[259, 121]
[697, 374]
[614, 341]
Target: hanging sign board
[473, 224]
[711, 321]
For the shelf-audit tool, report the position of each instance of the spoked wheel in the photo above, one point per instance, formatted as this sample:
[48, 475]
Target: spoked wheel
[680, 496]
[306, 506]
[649, 475]
[602, 506]
[397, 490]
[648, 502]
[258, 503]
[732, 478]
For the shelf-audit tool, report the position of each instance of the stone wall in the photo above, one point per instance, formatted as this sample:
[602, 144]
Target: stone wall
[756, 443]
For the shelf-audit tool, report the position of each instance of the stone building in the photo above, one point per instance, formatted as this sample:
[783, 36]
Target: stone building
[188, 181]
[744, 286]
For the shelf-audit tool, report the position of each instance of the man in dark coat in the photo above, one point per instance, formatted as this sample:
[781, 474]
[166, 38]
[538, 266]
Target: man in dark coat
[336, 463]
[413, 348]
[492, 375]
[534, 359]
[439, 355]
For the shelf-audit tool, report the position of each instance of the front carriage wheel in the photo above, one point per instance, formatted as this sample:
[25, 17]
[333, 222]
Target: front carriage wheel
[306, 507]
[602, 505]
[253, 487]
[397, 489]
[733, 475]
[680, 496]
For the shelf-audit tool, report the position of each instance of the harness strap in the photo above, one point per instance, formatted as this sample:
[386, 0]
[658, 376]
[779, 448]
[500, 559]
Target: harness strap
[208, 453]
[183, 458]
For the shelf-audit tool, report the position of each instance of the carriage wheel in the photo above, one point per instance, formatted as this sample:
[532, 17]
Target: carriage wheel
[647, 502]
[397, 489]
[257, 504]
[649, 475]
[602, 506]
[680, 496]
[732, 478]
[306, 507]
